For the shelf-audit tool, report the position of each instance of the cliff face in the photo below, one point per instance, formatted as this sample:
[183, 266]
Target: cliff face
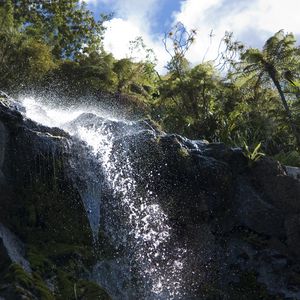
[199, 220]
[40, 203]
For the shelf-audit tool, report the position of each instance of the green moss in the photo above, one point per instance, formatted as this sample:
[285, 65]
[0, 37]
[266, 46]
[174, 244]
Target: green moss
[39, 262]
[65, 263]
[46, 260]
[68, 287]
[45, 206]
[65, 284]
[71, 289]
[23, 283]
[52, 212]
[248, 288]
[65, 253]
[183, 152]
[32, 215]
[17, 274]
[89, 290]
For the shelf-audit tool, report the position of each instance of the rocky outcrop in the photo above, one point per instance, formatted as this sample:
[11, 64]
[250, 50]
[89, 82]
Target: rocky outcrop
[241, 221]
[238, 222]
[12, 249]
[41, 208]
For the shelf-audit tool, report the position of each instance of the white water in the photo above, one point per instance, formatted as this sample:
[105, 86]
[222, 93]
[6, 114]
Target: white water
[148, 231]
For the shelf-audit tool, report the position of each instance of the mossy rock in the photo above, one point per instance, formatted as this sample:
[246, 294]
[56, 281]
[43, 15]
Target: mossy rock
[88, 290]
[19, 284]
[41, 203]
[248, 288]
[46, 207]
[73, 289]
[39, 262]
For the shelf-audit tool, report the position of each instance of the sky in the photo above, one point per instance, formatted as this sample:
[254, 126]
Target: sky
[252, 22]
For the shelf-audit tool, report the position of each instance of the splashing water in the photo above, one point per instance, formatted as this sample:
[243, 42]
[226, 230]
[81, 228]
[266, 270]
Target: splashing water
[147, 222]
[147, 232]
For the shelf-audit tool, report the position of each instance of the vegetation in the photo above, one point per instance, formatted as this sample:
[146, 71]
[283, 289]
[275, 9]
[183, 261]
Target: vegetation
[57, 46]
[254, 155]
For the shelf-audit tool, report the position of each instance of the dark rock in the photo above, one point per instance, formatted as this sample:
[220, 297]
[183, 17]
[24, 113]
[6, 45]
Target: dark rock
[3, 138]
[238, 222]
[12, 249]
[278, 189]
[255, 213]
[41, 201]
[292, 225]
[293, 172]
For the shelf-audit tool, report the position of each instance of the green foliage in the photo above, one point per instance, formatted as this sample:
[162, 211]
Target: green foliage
[25, 285]
[291, 158]
[7, 15]
[23, 59]
[257, 100]
[188, 104]
[70, 288]
[66, 26]
[276, 63]
[253, 155]
[29, 286]
[57, 46]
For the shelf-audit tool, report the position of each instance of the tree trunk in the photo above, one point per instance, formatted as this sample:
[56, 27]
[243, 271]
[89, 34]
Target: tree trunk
[286, 107]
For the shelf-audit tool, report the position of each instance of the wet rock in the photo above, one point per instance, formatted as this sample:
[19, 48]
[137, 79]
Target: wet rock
[42, 201]
[293, 172]
[236, 224]
[255, 213]
[278, 189]
[12, 248]
[3, 137]
[292, 225]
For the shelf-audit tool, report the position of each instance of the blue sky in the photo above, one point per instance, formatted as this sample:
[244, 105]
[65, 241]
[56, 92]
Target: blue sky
[251, 21]
[163, 11]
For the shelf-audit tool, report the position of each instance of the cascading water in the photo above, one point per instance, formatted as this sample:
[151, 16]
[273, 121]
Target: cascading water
[135, 220]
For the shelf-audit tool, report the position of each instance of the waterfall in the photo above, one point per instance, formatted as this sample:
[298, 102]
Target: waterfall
[135, 220]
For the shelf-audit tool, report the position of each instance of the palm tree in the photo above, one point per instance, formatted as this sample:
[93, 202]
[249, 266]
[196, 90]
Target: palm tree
[278, 56]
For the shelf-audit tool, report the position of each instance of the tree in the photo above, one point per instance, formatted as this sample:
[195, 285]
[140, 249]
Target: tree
[190, 105]
[177, 42]
[278, 56]
[7, 15]
[65, 25]
[23, 60]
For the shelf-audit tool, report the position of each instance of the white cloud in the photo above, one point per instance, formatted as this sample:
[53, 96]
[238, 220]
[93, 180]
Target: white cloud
[252, 22]
[120, 32]
[133, 18]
